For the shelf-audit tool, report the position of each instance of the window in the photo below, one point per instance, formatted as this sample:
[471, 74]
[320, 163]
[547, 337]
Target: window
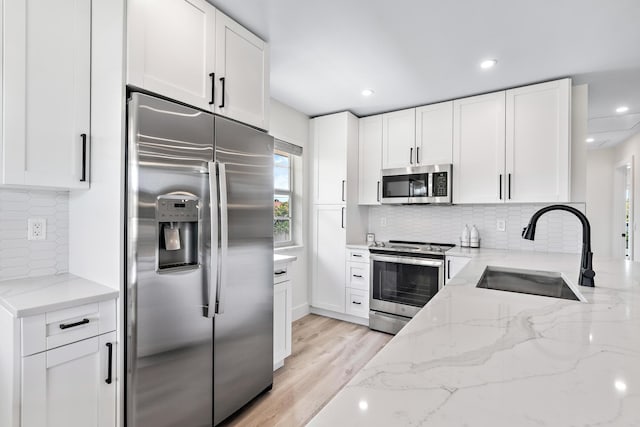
[282, 200]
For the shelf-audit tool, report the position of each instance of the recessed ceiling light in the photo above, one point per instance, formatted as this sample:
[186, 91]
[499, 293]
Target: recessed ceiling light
[488, 63]
[367, 92]
[590, 139]
[622, 109]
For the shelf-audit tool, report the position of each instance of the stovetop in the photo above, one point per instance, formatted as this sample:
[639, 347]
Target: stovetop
[404, 246]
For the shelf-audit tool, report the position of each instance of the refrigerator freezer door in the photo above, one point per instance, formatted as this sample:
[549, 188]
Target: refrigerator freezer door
[243, 343]
[169, 338]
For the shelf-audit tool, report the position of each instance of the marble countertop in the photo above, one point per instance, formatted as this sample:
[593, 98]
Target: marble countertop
[283, 259]
[37, 295]
[358, 246]
[481, 357]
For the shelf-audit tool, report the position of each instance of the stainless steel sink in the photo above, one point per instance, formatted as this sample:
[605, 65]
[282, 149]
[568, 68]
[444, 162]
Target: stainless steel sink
[543, 283]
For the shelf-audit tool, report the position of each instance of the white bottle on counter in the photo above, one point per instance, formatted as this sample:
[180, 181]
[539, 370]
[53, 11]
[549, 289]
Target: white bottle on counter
[465, 238]
[474, 238]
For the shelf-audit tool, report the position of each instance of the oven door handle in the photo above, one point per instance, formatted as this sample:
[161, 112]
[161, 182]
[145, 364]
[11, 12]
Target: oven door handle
[427, 262]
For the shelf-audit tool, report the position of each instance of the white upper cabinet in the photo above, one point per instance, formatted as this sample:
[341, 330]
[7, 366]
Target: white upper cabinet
[538, 142]
[369, 160]
[171, 49]
[399, 139]
[479, 149]
[46, 78]
[189, 51]
[434, 134]
[330, 139]
[242, 69]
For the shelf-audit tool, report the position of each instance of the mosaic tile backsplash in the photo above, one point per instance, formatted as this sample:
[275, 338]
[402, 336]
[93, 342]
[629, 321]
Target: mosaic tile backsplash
[556, 231]
[20, 257]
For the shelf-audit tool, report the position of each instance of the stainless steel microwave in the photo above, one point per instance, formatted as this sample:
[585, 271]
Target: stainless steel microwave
[417, 185]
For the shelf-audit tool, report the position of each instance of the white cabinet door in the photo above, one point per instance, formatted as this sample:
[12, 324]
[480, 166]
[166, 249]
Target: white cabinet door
[479, 149]
[434, 134]
[67, 386]
[281, 321]
[399, 139]
[242, 73]
[46, 84]
[538, 142]
[171, 49]
[369, 160]
[329, 240]
[329, 134]
[453, 266]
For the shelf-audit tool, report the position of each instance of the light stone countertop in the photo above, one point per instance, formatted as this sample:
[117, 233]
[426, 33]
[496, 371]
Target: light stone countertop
[279, 260]
[481, 357]
[363, 246]
[37, 295]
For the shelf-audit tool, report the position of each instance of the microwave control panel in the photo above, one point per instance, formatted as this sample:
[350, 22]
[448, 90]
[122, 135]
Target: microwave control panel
[440, 184]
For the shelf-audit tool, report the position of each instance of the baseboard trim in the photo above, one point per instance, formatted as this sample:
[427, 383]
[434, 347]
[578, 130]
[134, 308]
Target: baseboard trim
[340, 316]
[300, 311]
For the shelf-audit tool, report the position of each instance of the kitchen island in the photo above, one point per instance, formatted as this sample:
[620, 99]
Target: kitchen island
[482, 357]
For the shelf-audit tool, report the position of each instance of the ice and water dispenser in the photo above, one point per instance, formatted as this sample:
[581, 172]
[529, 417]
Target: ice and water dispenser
[177, 239]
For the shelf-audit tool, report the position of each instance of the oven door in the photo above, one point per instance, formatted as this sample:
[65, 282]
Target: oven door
[403, 285]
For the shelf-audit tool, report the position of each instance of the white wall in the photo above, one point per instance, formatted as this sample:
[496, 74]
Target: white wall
[292, 126]
[623, 152]
[579, 130]
[600, 164]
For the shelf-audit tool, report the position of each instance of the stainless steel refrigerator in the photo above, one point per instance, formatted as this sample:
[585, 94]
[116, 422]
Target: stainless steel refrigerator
[199, 260]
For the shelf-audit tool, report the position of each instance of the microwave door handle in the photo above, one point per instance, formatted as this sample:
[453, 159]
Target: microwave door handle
[224, 237]
[213, 262]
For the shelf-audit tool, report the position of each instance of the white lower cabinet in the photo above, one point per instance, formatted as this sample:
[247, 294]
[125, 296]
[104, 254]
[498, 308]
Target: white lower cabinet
[357, 302]
[453, 266]
[357, 283]
[282, 318]
[71, 386]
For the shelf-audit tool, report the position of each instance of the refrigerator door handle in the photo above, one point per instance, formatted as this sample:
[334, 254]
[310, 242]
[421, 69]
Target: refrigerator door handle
[224, 236]
[213, 277]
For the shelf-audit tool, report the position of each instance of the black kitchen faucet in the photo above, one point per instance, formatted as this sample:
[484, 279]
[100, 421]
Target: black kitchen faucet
[586, 264]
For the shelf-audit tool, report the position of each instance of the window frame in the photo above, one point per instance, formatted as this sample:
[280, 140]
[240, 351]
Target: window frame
[286, 193]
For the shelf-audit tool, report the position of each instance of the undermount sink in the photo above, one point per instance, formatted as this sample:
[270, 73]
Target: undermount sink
[543, 283]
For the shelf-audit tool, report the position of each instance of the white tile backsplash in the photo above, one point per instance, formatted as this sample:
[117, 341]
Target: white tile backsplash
[556, 231]
[20, 257]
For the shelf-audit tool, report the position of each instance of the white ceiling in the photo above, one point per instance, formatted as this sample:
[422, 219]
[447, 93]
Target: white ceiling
[414, 52]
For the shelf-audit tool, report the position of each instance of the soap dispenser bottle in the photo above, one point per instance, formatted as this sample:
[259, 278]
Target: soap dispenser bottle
[474, 238]
[465, 238]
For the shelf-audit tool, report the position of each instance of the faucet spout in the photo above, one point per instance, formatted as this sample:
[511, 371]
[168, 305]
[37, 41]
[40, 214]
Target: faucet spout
[586, 264]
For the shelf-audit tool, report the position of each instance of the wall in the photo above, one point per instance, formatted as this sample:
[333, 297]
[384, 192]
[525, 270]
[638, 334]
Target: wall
[600, 164]
[630, 149]
[579, 129]
[555, 232]
[292, 126]
[20, 257]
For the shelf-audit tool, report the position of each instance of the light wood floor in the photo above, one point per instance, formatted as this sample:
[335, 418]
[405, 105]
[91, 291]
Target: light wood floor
[326, 354]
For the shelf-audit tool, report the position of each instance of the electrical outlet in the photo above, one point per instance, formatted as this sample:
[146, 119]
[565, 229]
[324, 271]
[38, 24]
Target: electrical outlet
[383, 221]
[501, 225]
[36, 229]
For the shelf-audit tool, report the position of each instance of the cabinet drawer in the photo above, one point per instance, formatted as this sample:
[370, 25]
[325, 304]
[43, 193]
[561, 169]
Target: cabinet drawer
[357, 275]
[56, 328]
[358, 255]
[357, 302]
[280, 274]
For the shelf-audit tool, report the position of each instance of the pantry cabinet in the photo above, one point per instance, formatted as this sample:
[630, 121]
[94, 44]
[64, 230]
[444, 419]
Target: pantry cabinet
[189, 51]
[538, 122]
[434, 134]
[369, 160]
[479, 149]
[46, 77]
[399, 139]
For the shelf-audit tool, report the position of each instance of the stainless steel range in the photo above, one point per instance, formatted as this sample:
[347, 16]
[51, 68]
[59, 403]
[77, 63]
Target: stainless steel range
[404, 277]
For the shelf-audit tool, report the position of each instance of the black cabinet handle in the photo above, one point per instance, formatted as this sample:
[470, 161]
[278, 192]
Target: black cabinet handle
[342, 217]
[343, 182]
[213, 88]
[358, 276]
[222, 80]
[448, 269]
[378, 191]
[71, 325]
[356, 302]
[411, 156]
[417, 155]
[500, 186]
[83, 177]
[279, 273]
[356, 255]
[109, 363]
[509, 186]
